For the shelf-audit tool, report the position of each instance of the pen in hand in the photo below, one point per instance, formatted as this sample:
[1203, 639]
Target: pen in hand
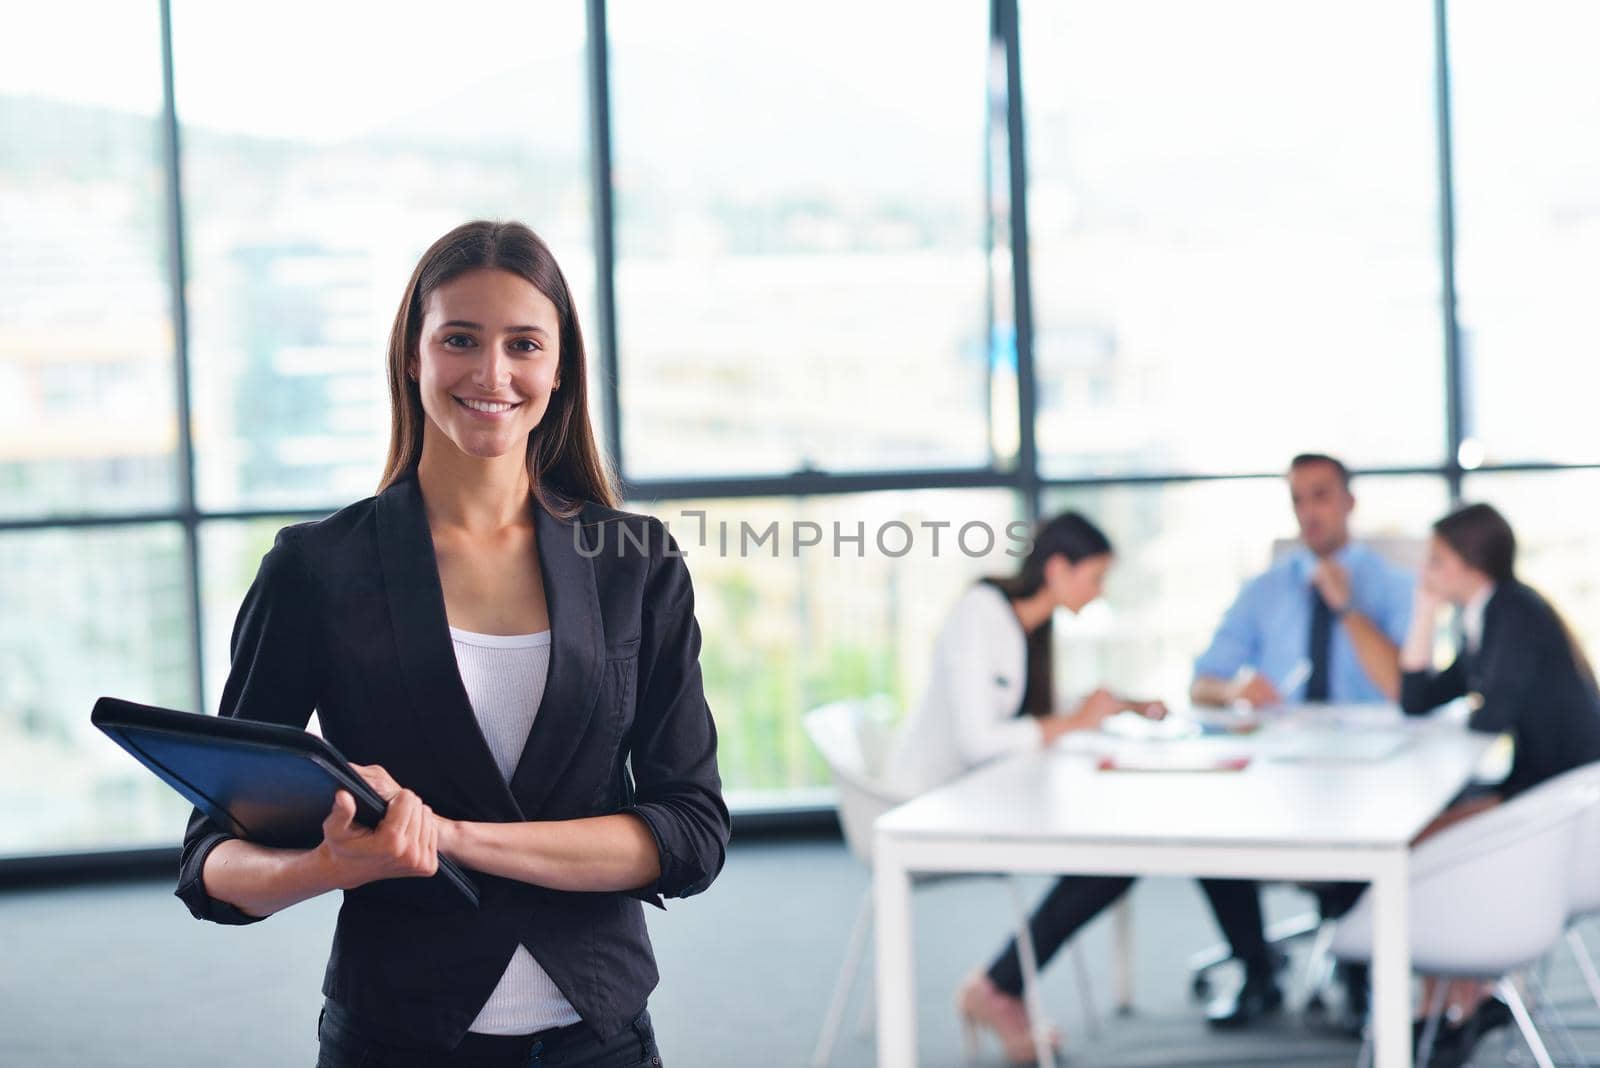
[1296, 678]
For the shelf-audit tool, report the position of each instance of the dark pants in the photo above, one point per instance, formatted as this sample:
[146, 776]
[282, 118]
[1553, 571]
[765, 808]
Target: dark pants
[1333, 901]
[343, 1045]
[1336, 899]
[1077, 899]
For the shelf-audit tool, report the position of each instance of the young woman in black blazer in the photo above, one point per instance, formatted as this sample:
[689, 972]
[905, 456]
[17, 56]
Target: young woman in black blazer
[1522, 673]
[513, 664]
[1520, 667]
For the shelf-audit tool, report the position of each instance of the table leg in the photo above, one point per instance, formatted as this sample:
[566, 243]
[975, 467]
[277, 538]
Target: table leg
[895, 971]
[1391, 963]
[1122, 960]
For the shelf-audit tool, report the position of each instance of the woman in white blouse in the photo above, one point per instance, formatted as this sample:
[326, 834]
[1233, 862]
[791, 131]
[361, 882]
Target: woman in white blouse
[991, 694]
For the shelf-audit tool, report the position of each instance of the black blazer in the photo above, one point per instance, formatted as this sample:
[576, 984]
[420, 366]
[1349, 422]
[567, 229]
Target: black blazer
[1527, 682]
[347, 616]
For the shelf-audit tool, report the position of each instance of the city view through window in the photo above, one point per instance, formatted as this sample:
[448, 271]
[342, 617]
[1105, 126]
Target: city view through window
[814, 310]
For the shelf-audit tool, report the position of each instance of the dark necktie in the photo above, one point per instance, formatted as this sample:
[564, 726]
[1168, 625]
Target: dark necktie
[1321, 642]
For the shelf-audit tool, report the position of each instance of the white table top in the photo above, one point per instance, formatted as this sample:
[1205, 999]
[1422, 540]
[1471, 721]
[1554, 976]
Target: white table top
[1285, 797]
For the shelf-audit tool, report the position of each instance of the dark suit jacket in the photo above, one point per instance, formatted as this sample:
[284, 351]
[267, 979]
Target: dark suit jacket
[347, 616]
[1528, 682]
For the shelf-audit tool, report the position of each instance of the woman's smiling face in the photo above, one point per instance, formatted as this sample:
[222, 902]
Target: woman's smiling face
[488, 358]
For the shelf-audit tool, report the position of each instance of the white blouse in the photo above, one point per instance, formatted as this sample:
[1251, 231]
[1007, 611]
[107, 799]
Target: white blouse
[504, 675]
[1472, 617]
[968, 714]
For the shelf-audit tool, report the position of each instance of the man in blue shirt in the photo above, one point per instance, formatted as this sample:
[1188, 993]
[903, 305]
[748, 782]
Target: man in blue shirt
[1324, 624]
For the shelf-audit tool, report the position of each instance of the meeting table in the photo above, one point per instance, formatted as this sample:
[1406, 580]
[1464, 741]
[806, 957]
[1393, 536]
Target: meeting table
[1300, 794]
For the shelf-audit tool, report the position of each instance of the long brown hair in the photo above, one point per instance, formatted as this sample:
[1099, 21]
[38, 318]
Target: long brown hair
[565, 465]
[1071, 535]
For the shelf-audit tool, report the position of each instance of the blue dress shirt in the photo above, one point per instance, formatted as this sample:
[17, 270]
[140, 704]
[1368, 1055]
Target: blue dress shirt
[1268, 627]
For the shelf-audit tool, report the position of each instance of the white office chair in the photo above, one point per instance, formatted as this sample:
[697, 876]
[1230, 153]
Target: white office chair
[1489, 897]
[1585, 869]
[852, 737]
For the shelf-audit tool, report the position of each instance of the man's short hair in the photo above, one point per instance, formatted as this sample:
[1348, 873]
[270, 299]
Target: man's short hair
[1305, 459]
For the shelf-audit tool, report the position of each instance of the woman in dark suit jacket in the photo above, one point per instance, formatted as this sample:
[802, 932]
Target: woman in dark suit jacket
[1522, 673]
[513, 664]
[1520, 667]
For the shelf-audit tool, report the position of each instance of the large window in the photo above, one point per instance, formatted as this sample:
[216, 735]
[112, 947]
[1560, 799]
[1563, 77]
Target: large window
[801, 272]
[1527, 107]
[313, 174]
[309, 199]
[87, 613]
[808, 600]
[87, 427]
[86, 387]
[1233, 214]
[799, 257]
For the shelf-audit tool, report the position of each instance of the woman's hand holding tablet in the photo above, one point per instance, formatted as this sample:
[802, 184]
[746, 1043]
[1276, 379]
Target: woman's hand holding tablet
[405, 843]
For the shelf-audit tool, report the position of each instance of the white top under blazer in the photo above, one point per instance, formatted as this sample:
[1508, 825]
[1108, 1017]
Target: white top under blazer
[504, 676]
[968, 714]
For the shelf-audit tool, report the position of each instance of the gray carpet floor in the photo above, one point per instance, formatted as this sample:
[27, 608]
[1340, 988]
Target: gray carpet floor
[118, 975]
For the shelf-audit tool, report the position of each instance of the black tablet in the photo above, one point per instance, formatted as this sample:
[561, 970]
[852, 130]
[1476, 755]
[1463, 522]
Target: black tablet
[262, 782]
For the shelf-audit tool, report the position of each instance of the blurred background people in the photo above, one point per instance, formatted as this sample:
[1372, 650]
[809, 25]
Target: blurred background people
[991, 693]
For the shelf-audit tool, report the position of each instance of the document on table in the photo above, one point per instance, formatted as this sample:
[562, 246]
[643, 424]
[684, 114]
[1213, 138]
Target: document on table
[1312, 745]
[1173, 746]
[1190, 753]
[1177, 757]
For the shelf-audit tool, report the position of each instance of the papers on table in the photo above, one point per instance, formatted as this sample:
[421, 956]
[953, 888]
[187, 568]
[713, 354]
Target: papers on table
[1143, 728]
[1221, 739]
[1312, 745]
[1191, 753]
[1348, 716]
[1173, 758]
